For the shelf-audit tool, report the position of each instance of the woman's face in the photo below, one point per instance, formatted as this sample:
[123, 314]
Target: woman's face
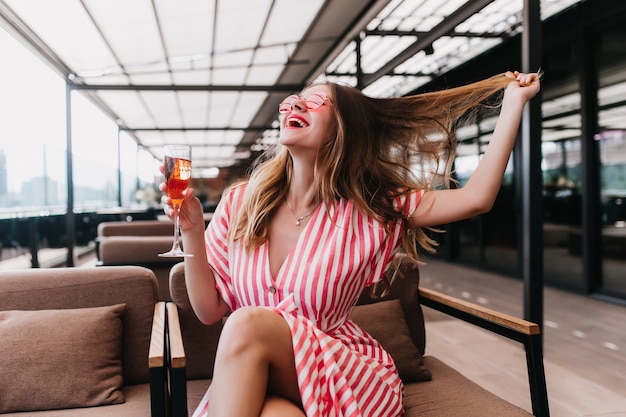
[302, 128]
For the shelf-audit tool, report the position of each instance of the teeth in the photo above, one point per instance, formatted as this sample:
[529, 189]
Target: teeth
[296, 122]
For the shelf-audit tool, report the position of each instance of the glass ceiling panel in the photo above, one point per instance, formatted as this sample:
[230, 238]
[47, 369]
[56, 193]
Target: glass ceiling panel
[264, 75]
[129, 104]
[221, 109]
[187, 27]
[233, 59]
[121, 20]
[501, 17]
[552, 7]
[381, 49]
[191, 77]
[154, 138]
[271, 55]
[163, 106]
[160, 78]
[239, 23]
[193, 107]
[247, 105]
[229, 76]
[289, 20]
[498, 16]
[86, 52]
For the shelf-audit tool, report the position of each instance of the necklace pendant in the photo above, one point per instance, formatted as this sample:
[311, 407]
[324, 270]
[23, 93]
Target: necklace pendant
[297, 222]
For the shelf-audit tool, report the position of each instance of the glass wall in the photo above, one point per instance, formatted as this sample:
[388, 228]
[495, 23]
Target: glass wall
[33, 158]
[562, 228]
[611, 138]
[489, 239]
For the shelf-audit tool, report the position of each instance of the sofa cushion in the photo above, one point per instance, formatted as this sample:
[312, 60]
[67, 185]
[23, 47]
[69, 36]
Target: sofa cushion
[404, 287]
[200, 341]
[385, 322]
[451, 394]
[53, 359]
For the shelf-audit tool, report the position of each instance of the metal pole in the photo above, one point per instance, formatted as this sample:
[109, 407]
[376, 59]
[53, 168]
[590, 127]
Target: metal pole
[119, 169]
[531, 253]
[590, 165]
[70, 221]
[359, 68]
[531, 249]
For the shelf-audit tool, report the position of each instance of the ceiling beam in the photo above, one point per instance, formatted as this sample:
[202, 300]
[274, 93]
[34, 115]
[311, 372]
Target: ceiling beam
[486, 35]
[286, 88]
[197, 129]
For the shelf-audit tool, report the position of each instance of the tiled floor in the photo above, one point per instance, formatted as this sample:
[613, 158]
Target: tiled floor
[584, 343]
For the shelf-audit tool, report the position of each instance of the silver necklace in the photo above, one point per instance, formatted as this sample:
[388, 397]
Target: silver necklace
[299, 219]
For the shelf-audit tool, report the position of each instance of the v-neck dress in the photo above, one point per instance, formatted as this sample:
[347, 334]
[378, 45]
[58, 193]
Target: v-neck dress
[342, 371]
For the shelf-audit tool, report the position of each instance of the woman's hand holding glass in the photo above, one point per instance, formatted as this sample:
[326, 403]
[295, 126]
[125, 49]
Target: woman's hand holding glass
[176, 169]
[190, 213]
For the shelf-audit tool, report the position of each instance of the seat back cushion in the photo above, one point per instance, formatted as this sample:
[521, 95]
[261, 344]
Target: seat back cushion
[396, 320]
[74, 288]
[58, 359]
[199, 340]
[140, 251]
[136, 228]
[135, 250]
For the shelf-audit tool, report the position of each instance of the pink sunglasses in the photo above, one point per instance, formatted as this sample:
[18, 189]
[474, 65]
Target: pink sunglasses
[313, 102]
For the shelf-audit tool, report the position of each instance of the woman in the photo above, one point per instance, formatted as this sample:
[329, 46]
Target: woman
[288, 251]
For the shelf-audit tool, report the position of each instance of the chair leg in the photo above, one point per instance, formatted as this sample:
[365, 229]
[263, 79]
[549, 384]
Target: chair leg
[179, 392]
[537, 376]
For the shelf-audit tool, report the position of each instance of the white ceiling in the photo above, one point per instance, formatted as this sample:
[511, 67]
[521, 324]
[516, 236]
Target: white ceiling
[211, 73]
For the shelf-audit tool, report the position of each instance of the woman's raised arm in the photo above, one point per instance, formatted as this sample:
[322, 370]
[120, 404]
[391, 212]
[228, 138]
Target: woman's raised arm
[439, 207]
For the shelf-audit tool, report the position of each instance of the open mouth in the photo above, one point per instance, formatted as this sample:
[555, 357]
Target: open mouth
[296, 122]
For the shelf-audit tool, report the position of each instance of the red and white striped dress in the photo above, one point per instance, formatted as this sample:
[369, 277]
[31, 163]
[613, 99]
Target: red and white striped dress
[342, 370]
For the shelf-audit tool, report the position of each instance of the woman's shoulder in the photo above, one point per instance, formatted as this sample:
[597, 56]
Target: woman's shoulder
[407, 200]
[236, 190]
[232, 197]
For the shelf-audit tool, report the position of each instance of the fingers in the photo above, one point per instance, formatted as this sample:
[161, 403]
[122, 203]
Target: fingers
[526, 79]
[523, 79]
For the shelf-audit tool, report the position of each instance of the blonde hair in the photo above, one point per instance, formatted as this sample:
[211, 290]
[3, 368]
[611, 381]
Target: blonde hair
[369, 160]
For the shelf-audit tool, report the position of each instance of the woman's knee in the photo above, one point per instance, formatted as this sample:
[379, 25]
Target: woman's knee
[251, 328]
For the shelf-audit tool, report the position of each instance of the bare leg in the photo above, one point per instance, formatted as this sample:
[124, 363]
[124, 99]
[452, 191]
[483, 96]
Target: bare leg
[280, 407]
[254, 362]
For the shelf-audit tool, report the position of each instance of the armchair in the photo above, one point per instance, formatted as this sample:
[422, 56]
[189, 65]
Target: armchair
[432, 388]
[82, 342]
[138, 243]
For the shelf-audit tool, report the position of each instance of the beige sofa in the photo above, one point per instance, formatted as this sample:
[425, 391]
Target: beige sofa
[433, 389]
[82, 342]
[138, 243]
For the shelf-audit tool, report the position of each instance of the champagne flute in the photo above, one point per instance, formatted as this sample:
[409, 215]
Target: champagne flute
[177, 163]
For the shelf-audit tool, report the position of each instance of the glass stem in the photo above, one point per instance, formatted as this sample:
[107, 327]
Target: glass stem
[176, 228]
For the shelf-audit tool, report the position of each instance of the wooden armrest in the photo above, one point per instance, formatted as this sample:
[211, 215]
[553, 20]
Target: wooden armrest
[159, 395]
[156, 354]
[488, 314]
[177, 350]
